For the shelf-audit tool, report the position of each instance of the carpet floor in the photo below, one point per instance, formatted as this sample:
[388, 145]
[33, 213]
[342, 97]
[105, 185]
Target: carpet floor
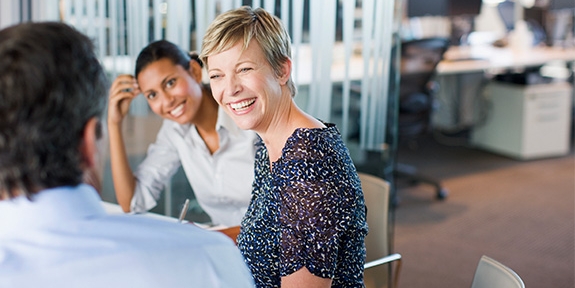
[521, 213]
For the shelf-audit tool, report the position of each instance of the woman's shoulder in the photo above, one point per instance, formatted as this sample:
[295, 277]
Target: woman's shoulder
[316, 137]
[313, 143]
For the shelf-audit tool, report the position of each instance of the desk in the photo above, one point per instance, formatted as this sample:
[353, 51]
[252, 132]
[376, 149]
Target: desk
[526, 121]
[483, 58]
[454, 75]
[231, 232]
[112, 208]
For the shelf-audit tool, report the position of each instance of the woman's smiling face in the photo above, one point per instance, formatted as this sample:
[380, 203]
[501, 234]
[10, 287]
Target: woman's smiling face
[171, 91]
[244, 83]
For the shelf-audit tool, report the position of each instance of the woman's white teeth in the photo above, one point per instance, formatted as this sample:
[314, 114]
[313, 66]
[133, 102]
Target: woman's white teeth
[242, 105]
[178, 110]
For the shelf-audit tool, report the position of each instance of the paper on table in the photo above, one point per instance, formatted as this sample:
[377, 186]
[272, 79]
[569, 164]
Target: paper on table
[112, 208]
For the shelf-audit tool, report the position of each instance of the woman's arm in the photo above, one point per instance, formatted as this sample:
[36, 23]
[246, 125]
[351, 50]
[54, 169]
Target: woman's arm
[123, 178]
[317, 239]
[122, 91]
[304, 278]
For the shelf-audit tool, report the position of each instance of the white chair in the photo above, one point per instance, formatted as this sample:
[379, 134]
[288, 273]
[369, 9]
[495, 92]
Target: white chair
[492, 274]
[376, 272]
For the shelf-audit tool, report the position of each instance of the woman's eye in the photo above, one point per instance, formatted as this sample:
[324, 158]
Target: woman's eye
[151, 96]
[215, 76]
[170, 83]
[245, 69]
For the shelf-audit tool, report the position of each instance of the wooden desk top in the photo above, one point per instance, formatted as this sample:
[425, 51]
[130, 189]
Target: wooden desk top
[468, 59]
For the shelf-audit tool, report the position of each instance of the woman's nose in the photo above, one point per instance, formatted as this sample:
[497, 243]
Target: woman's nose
[233, 86]
[167, 99]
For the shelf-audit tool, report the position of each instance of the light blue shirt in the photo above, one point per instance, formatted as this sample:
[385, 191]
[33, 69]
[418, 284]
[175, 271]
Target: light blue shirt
[222, 182]
[64, 238]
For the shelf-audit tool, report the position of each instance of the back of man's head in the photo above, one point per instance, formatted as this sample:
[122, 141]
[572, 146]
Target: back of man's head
[51, 85]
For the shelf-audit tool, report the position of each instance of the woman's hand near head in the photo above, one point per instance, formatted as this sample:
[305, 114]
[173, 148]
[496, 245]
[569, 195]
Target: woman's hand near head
[121, 94]
[123, 90]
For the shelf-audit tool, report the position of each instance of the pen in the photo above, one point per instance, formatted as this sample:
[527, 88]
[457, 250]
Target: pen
[184, 210]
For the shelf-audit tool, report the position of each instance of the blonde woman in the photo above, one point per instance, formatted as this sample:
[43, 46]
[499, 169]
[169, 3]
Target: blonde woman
[306, 223]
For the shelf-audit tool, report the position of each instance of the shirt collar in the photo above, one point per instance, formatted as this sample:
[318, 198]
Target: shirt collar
[50, 207]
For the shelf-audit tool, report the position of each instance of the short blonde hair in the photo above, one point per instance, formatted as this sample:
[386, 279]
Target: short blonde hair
[244, 24]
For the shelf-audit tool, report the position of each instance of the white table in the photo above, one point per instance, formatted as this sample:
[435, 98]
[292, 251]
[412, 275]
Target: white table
[112, 208]
[484, 58]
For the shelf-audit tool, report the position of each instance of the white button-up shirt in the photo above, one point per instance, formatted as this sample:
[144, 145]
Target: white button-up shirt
[64, 238]
[222, 182]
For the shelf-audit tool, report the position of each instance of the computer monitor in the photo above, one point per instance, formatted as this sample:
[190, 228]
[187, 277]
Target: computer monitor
[464, 7]
[561, 4]
[448, 8]
[460, 12]
[420, 8]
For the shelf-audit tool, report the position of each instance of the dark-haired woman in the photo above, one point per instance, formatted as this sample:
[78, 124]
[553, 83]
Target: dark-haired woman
[217, 157]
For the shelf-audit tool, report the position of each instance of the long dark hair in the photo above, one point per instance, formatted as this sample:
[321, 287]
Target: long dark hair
[164, 49]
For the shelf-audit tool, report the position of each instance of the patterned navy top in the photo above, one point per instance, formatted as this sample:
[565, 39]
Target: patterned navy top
[308, 211]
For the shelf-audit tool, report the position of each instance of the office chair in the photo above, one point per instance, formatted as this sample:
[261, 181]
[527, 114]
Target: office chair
[419, 59]
[377, 243]
[492, 274]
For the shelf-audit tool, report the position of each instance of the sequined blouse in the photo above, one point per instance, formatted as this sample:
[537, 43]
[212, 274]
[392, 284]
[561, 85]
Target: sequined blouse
[308, 211]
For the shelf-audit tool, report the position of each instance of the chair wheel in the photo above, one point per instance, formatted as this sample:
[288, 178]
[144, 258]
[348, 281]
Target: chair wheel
[442, 193]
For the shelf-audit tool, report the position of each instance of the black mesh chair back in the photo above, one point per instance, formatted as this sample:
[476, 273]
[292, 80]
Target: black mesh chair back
[419, 58]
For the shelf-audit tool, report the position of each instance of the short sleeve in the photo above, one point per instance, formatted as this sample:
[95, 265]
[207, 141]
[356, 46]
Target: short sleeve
[309, 235]
[315, 209]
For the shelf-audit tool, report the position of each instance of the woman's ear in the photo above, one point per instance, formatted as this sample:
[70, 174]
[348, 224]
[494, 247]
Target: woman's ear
[285, 71]
[196, 70]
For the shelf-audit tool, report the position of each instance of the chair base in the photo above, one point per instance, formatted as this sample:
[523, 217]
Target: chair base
[410, 173]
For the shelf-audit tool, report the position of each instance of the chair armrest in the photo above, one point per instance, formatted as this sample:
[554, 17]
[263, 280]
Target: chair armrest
[386, 260]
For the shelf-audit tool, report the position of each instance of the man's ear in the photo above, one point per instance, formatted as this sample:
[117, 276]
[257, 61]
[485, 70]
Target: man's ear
[90, 153]
[88, 146]
[196, 71]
